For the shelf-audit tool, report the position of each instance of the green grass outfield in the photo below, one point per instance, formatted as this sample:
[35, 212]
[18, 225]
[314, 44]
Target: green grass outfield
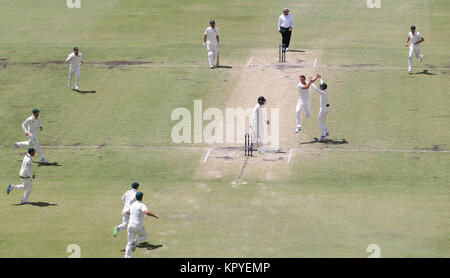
[330, 204]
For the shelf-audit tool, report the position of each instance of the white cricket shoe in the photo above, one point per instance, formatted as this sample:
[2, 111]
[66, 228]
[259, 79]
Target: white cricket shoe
[77, 88]
[24, 202]
[133, 245]
[409, 69]
[43, 160]
[298, 129]
[15, 146]
[421, 58]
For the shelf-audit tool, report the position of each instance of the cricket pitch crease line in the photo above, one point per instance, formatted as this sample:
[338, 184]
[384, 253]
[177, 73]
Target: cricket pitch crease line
[239, 149]
[294, 66]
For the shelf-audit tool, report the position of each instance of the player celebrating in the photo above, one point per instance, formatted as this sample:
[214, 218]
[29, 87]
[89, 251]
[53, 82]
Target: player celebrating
[257, 123]
[34, 123]
[323, 106]
[75, 59]
[128, 198]
[211, 42]
[26, 174]
[135, 226]
[414, 48]
[303, 102]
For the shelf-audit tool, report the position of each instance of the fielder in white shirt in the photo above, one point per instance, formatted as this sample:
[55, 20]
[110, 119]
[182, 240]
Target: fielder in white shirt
[257, 124]
[211, 42]
[323, 92]
[75, 59]
[304, 101]
[414, 48]
[31, 126]
[26, 175]
[135, 224]
[128, 198]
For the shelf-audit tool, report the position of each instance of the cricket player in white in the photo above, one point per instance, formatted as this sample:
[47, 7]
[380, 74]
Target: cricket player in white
[323, 106]
[211, 42]
[75, 59]
[128, 198]
[257, 123]
[31, 126]
[26, 175]
[414, 48]
[135, 224]
[304, 101]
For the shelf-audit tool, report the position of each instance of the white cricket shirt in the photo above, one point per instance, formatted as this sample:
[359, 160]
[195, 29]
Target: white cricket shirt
[286, 21]
[137, 213]
[33, 125]
[129, 198]
[74, 61]
[25, 170]
[414, 38]
[211, 34]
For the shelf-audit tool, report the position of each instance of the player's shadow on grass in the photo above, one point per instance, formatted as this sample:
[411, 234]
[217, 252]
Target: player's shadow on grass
[48, 164]
[424, 72]
[84, 92]
[327, 141]
[295, 50]
[38, 204]
[223, 67]
[146, 245]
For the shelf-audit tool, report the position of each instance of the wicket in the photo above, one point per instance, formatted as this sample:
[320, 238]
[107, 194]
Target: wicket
[281, 53]
[248, 148]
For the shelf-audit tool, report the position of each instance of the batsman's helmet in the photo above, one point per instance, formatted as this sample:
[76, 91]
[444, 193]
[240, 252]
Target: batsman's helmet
[324, 86]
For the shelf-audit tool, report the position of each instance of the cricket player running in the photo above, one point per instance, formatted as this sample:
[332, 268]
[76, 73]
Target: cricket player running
[26, 174]
[135, 225]
[323, 106]
[128, 198]
[211, 42]
[304, 101]
[414, 48]
[75, 59]
[257, 124]
[31, 126]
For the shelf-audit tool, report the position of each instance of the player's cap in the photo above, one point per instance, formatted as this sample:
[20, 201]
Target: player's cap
[31, 150]
[75, 48]
[35, 110]
[139, 196]
[135, 185]
[212, 21]
[413, 27]
[261, 98]
[324, 86]
[285, 10]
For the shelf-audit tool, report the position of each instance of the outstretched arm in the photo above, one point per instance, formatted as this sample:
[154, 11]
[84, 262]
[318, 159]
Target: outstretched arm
[421, 40]
[151, 214]
[407, 41]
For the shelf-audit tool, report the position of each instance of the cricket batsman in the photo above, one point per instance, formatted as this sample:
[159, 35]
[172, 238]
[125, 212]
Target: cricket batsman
[323, 92]
[257, 123]
[304, 102]
[128, 198]
[135, 225]
[414, 48]
[31, 126]
[26, 175]
[211, 42]
[75, 60]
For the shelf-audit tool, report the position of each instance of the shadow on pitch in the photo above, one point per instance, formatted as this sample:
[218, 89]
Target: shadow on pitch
[295, 50]
[327, 141]
[424, 72]
[146, 245]
[37, 204]
[84, 92]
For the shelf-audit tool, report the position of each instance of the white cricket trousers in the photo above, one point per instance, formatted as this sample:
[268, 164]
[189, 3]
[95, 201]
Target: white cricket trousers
[125, 219]
[414, 50]
[32, 140]
[27, 185]
[77, 75]
[134, 231]
[322, 118]
[303, 103]
[213, 50]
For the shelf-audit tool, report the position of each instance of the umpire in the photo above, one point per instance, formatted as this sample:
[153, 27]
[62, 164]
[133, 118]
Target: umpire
[285, 25]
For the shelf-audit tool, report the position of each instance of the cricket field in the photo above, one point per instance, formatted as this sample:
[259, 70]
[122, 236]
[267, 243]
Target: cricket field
[382, 179]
